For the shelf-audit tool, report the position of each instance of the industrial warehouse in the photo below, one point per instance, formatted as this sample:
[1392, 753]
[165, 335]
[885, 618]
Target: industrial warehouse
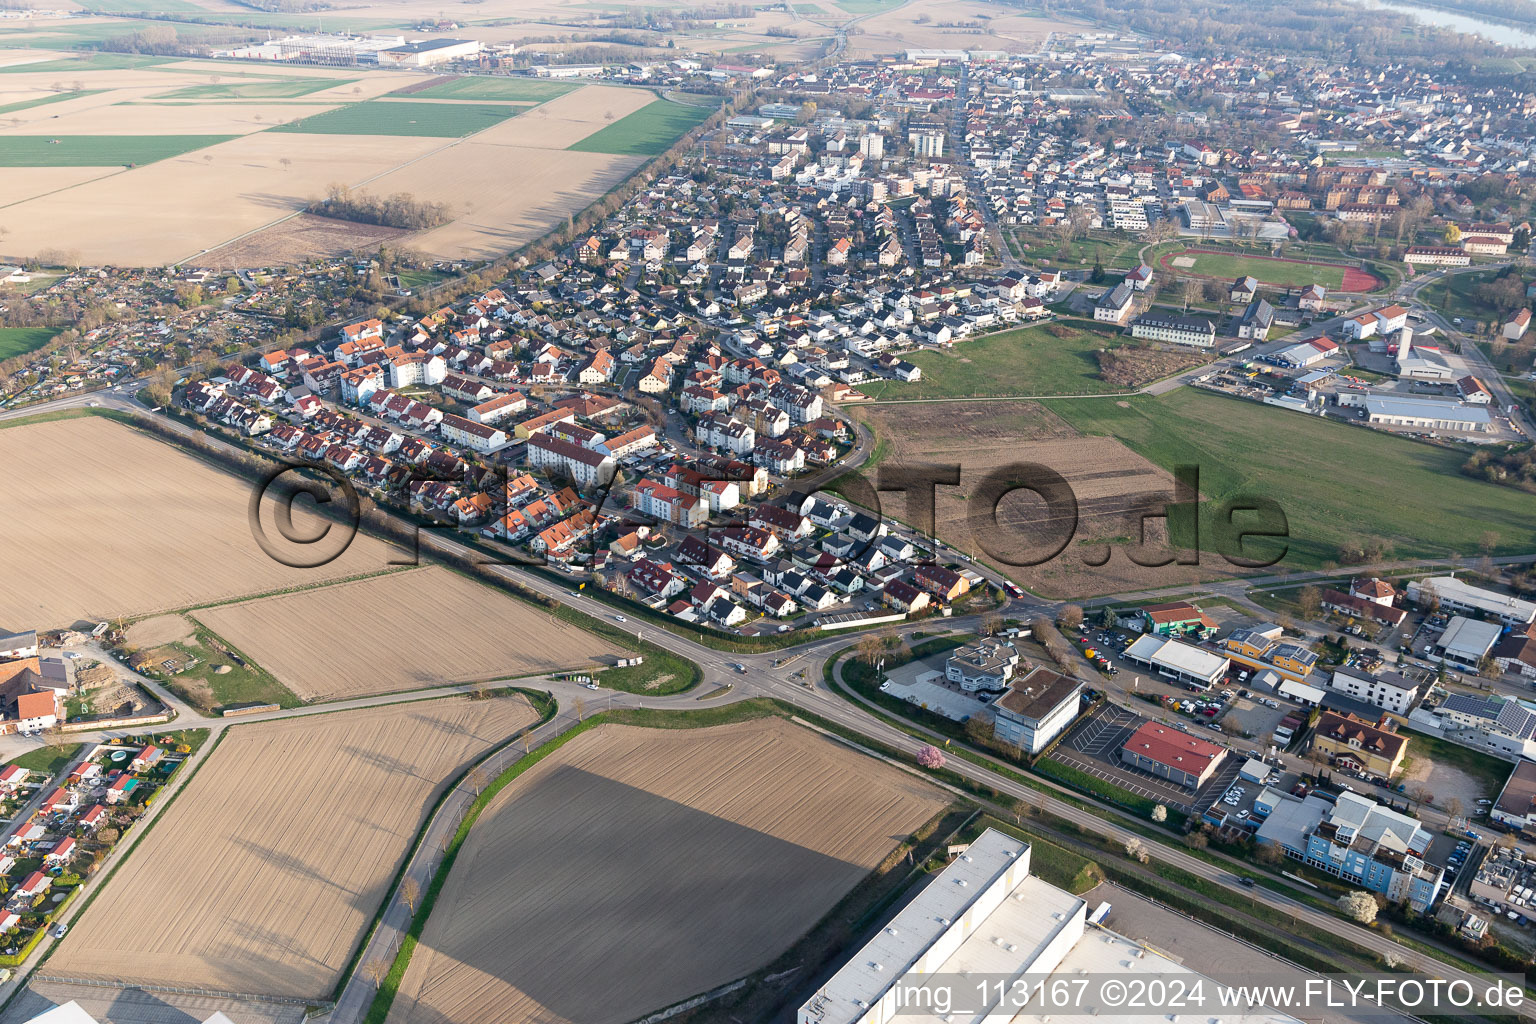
[985, 915]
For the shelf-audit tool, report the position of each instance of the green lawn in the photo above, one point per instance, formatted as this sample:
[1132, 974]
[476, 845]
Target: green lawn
[1117, 252]
[41, 101]
[859, 8]
[272, 89]
[384, 117]
[1230, 266]
[90, 62]
[1336, 483]
[1025, 361]
[50, 760]
[99, 150]
[16, 340]
[480, 87]
[1456, 295]
[646, 132]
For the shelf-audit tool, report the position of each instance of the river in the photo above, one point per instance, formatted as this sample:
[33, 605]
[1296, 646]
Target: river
[1493, 31]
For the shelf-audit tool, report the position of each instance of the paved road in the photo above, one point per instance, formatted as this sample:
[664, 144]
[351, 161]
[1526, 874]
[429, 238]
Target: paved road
[762, 677]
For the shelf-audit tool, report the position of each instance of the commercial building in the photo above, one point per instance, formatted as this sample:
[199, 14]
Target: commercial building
[1037, 708]
[1354, 744]
[984, 664]
[1466, 642]
[1172, 755]
[1357, 839]
[427, 52]
[1427, 414]
[1456, 596]
[1178, 618]
[987, 916]
[1516, 805]
[1177, 330]
[1387, 690]
[1502, 726]
[1173, 659]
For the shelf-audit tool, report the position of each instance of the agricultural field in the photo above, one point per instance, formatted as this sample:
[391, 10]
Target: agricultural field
[1045, 359]
[294, 831]
[1273, 271]
[516, 90]
[15, 341]
[386, 117]
[205, 155]
[891, 27]
[1111, 484]
[103, 501]
[99, 150]
[690, 856]
[328, 643]
[649, 131]
[1407, 494]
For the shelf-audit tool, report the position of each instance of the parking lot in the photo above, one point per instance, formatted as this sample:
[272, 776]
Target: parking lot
[1093, 746]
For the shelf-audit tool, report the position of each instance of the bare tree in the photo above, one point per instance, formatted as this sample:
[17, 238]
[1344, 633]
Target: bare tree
[410, 894]
[376, 971]
[477, 780]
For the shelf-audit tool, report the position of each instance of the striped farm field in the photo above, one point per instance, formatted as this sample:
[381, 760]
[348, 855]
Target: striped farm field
[1269, 270]
[632, 868]
[326, 643]
[473, 87]
[265, 873]
[646, 132]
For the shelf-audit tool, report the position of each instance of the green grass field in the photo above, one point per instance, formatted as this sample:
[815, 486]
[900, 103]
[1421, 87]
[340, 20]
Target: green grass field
[1037, 244]
[99, 150]
[1456, 295]
[15, 341]
[1230, 266]
[272, 89]
[1026, 361]
[90, 62]
[43, 101]
[1336, 483]
[646, 132]
[472, 87]
[141, 7]
[383, 117]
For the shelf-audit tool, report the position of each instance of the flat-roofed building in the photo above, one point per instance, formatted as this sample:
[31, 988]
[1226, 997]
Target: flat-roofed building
[1466, 642]
[1173, 659]
[1456, 596]
[984, 664]
[987, 916]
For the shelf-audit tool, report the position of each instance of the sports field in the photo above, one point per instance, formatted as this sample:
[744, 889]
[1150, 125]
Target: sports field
[275, 89]
[1278, 273]
[646, 132]
[1408, 494]
[98, 150]
[15, 341]
[469, 87]
[633, 868]
[265, 873]
[386, 117]
[1045, 359]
